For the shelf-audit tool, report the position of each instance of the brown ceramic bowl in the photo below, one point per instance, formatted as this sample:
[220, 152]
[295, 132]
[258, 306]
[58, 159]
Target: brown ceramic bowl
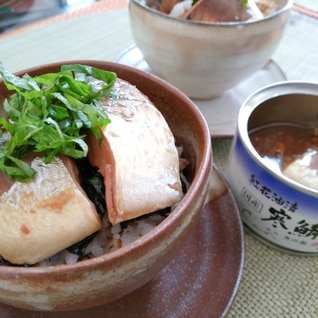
[103, 279]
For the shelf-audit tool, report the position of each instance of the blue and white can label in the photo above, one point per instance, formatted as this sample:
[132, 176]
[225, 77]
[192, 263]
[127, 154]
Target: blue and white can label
[275, 211]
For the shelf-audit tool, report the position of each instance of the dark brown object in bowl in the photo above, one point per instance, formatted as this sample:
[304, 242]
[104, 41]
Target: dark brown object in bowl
[217, 11]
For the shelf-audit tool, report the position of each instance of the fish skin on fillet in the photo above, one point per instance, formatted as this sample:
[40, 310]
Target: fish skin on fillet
[137, 156]
[46, 215]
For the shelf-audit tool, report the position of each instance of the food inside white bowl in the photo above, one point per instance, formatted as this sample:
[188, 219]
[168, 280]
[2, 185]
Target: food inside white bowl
[46, 217]
[216, 10]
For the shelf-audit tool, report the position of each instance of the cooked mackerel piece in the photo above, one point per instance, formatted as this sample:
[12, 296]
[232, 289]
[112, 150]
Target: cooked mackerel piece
[137, 156]
[46, 215]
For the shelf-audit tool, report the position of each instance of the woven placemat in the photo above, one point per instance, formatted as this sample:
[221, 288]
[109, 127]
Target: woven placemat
[274, 283]
[100, 6]
[309, 7]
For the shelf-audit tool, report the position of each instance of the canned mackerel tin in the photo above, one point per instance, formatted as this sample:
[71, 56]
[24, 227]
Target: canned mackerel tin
[273, 166]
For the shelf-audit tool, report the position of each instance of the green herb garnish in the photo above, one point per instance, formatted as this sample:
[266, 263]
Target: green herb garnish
[50, 113]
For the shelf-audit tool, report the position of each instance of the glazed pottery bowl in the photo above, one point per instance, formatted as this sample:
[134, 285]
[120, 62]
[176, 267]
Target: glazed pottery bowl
[102, 279]
[204, 59]
[273, 166]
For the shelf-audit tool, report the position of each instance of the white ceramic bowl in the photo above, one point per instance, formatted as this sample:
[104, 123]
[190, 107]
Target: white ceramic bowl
[204, 59]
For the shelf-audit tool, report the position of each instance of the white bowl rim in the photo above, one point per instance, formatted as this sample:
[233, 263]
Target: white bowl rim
[285, 9]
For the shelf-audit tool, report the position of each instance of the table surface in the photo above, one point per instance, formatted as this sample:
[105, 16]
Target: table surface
[274, 283]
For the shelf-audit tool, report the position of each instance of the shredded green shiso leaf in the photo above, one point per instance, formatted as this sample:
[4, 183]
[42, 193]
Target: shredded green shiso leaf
[51, 113]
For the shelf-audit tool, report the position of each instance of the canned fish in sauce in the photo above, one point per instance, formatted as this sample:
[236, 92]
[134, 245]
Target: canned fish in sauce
[273, 165]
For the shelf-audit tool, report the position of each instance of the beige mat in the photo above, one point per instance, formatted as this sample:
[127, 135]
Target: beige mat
[274, 284]
[309, 7]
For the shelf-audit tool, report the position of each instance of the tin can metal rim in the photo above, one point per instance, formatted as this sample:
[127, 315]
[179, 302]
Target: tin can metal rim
[256, 99]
